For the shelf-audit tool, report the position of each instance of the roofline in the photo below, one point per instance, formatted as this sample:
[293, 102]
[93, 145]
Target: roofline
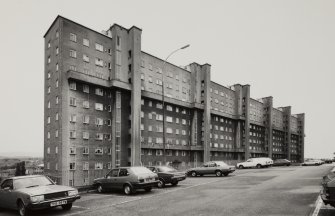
[223, 86]
[163, 61]
[59, 16]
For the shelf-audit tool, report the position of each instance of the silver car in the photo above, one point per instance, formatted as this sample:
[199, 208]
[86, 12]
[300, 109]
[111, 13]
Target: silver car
[26, 193]
[218, 168]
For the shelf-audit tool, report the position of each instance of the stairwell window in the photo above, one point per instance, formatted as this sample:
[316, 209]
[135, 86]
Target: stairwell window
[73, 37]
[86, 42]
[73, 85]
[73, 53]
[99, 47]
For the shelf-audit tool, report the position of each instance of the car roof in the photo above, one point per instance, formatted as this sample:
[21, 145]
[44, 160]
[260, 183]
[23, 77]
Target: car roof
[24, 177]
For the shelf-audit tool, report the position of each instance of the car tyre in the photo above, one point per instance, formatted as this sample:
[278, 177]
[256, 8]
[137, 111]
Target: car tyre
[258, 166]
[23, 211]
[193, 174]
[174, 183]
[67, 207]
[100, 189]
[225, 174]
[241, 167]
[128, 190]
[148, 189]
[161, 183]
[218, 173]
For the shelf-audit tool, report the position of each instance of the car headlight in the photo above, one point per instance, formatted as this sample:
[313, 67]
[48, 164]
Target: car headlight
[35, 199]
[72, 193]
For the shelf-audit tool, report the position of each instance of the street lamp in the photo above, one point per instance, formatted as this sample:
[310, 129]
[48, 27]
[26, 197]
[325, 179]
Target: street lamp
[163, 97]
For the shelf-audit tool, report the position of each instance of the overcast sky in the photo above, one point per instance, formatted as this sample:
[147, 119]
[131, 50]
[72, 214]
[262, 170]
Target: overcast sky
[283, 48]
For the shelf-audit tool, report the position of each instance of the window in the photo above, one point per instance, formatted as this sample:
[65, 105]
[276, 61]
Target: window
[183, 132]
[56, 133]
[85, 166]
[99, 106]
[56, 117]
[159, 152]
[159, 128]
[48, 150]
[86, 104]
[169, 108]
[169, 130]
[49, 44]
[183, 153]
[57, 34]
[169, 119]
[149, 128]
[109, 165]
[159, 106]
[99, 91]
[73, 68]
[72, 150]
[49, 105]
[57, 50]
[86, 88]
[118, 42]
[98, 151]
[177, 120]
[142, 76]
[73, 53]
[150, 115]
[99, 136]
[142, 114]
[57, 83]
[109, 122]
[109, 108]
[98, 165]
[142, 126]
[56, 150]
[159, 70]
[177, 110]
[183, 121]
[86, 135]
[150, 104]
[49, 75]
[86, 58]
[159, 82]
[159, 117]
[49, 60]
[99, 47]
[73, 85]
[73, 134]
[142, 63]
[49, 90]
[73, 37]
[57, 67]
[86, 119]
[177, 131]
[99, 62]
[57, 99]
[99, 121]
[48, 120]
[150, 79]
[86, 42]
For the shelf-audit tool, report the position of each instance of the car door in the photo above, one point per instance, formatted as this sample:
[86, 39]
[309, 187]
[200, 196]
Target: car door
[111, 179]
[211, 168]
[121, 178]
[7, 194]
[202, 170]
[249, 163]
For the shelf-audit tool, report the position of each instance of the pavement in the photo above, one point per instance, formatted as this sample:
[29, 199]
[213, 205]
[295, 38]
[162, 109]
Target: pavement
[276, 191]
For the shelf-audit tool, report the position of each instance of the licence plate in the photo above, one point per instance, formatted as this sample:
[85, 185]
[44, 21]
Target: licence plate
[62, 202]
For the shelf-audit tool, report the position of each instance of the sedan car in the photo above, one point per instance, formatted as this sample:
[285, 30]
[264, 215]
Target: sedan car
[128, 179]
[218, 168]
[328, 189]
[26, 193]
[167, 175]
[281, 162]
[311, 163]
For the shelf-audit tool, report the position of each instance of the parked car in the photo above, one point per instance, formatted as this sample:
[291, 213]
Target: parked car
[26, 193]
[128, 179]
[281, 162]
[328, 161]
[218, 168]
[311, 163]
[256, 162]
[167, 175]
[328, 189]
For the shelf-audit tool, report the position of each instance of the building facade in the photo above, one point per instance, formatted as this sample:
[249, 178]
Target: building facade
[104, 108]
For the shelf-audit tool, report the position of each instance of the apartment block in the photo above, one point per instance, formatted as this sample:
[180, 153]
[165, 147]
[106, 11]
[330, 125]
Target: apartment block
[104, 108]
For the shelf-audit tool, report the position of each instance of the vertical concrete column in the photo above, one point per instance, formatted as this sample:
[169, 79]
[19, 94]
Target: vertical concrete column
[238, 114]
[268, 124]
[246, 95]
[301, 121]
[135, 74]
[205, 69]
[287, 123]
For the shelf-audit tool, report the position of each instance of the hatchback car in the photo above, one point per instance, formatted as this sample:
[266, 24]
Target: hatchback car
[281, 162]
[328, 189]
[167, 175]
[128, 179]
[311, 163]
[27, 193]
[218, 168]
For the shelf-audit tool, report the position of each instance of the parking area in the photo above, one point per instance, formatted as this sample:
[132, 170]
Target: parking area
[268, 191]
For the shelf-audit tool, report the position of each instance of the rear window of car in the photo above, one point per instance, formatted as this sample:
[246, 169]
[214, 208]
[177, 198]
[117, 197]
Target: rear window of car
[140, 170]
[165, 169]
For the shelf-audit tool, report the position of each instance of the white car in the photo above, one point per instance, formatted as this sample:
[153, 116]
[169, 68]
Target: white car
[311, 163]
[255, 162]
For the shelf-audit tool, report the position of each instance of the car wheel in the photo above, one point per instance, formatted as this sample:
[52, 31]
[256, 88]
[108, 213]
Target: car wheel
[100, 188]
[193, 174]
[241, 167]
[128, 190]
[225, 174]
[23, 211]
[161, 183]
[148, 189]
[218, 173]
[174, 183]
[67, 207]
[258, 166]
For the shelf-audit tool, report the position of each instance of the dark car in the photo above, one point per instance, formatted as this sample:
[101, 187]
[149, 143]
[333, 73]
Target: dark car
[281, 162]
[328, 189]
[128, 179]
[218, 168]
[27, 193]
[167, 175]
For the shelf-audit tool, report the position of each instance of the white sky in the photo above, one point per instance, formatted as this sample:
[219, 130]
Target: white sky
[283, 48]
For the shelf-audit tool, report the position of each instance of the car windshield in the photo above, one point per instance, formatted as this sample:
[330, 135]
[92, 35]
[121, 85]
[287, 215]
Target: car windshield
[166, 169]
[31, 182]
[140, 170]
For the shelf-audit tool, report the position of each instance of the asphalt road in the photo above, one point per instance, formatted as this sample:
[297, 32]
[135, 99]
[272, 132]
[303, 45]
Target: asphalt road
[284, 191]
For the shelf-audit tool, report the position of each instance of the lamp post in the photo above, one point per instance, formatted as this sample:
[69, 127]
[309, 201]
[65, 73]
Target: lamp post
[163, 97]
